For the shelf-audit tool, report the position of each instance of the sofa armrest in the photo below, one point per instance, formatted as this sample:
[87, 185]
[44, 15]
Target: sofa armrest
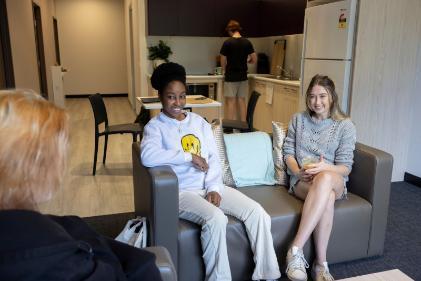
[164, 263]
[371, 179]
[156, 197]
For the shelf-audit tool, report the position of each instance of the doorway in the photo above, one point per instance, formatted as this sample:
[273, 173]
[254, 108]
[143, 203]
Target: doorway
[56, 42]
[2, 70]
[7, 79]
[39, 42]
[132, 61]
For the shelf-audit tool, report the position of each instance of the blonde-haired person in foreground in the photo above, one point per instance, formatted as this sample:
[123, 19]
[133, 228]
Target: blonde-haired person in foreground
[33, 246]
[319, 151]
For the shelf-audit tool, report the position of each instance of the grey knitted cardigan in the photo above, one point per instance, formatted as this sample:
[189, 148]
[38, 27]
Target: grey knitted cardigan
[335, 140]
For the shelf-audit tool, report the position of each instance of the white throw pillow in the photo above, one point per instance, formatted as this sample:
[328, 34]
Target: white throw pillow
[218, 133]
[279, 134]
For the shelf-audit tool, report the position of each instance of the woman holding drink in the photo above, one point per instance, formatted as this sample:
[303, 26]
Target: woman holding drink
[318, 151]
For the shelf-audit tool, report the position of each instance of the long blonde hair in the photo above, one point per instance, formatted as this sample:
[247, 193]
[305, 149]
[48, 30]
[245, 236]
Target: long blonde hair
[33, 148]
[324, 81]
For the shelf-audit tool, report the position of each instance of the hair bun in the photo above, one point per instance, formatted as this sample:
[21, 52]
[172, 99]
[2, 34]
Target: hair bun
[166, 73]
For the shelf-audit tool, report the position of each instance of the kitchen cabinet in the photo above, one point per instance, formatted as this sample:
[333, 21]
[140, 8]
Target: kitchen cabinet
[263, 113]
[278, 17]
[246, 12]
[197, 17]
[284, 103]
[209, 17]
[163, 17]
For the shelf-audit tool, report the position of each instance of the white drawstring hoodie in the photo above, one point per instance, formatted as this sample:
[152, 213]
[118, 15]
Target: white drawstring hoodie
[167, 141]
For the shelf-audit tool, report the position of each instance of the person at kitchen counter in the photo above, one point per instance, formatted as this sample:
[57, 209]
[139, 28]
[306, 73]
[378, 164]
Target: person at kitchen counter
[184, 141]
[235, 53]
[318, 151]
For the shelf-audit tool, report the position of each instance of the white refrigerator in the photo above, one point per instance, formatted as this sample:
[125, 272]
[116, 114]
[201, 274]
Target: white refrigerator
[328, 47]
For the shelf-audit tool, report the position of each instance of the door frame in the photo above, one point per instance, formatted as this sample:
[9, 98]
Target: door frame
[132, 59]
[6, 50]
[39, 42]
[56, 41]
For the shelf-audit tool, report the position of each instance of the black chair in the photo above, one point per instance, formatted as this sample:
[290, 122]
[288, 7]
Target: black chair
[243, 126]
[100, 114]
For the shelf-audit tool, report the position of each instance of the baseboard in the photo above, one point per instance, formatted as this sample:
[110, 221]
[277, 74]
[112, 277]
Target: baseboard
[412, 179]
[104, 95]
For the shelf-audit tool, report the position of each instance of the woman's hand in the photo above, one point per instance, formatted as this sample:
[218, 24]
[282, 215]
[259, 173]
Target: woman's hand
[314, 169]
[214, 198]
[200, 163]
[302, 175]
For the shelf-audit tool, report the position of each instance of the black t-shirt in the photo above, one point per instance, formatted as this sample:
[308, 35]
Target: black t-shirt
[236, 50]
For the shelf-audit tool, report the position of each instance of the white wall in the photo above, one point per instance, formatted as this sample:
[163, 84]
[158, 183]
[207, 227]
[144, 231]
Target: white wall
[385, 96]
[22, 41]
[198, 54]
[93, 46]
[139, 60]
[414, 153]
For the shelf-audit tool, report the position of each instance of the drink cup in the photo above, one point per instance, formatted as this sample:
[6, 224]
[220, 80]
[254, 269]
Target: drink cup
[308, 161]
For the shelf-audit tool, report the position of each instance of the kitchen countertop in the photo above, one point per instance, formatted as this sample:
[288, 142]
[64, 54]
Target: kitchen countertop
[199, 76]
[269, 78]
[203, 78]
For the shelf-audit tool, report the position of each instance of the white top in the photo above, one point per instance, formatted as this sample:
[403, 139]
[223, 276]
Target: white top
[167, 141]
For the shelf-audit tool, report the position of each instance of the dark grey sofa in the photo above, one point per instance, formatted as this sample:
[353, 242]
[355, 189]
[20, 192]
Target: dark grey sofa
[358, 229]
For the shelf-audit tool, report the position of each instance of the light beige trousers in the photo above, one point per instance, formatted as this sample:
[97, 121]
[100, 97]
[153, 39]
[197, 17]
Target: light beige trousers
[194, 207]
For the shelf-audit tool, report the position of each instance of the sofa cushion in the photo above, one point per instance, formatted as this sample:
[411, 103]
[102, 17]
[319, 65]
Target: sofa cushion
[278, 136]
[218, 133]
[250, 157]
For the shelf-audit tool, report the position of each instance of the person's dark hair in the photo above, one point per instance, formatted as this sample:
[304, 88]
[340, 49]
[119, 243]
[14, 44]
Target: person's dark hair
[233, 26]
[166, 73]
[324, 81]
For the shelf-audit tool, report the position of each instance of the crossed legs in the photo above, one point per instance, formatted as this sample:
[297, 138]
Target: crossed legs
[319, 198]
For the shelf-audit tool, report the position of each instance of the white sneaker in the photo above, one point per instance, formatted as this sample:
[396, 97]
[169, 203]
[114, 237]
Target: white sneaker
[297, 264]
[321, 273]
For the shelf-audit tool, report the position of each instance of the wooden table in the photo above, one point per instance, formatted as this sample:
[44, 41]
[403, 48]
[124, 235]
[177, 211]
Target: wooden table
[390, 275]
[208, 108]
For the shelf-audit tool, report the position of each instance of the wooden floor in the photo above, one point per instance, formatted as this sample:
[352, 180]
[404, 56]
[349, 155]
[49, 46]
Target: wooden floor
[111, 190]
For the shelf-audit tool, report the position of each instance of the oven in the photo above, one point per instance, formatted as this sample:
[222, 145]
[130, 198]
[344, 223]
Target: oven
[204, 89]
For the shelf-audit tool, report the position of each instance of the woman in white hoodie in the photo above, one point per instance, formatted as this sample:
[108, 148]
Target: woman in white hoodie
[184, 141]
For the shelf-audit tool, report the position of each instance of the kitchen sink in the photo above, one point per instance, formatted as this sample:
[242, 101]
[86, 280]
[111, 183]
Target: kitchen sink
[271, 76]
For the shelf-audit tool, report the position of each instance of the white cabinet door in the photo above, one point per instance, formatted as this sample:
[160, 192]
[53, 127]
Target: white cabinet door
[285, 103]
[262, 120]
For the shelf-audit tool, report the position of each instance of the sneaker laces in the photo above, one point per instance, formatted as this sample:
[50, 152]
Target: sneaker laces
[325, 275]
[299, 262]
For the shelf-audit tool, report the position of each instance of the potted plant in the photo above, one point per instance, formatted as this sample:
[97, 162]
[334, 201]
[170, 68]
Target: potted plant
[159, 53]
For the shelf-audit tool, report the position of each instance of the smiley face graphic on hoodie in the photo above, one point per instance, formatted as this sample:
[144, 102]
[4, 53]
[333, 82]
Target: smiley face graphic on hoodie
[191, 144]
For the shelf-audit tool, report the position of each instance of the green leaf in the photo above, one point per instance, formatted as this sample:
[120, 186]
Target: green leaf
[160, 51]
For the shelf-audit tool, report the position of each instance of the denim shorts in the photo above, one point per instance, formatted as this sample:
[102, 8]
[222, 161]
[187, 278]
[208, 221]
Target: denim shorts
[236, 89]
[342, 197]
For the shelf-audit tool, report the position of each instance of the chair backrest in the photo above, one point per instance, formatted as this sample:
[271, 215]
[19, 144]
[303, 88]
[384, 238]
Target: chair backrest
[251, 106]
[98, 107]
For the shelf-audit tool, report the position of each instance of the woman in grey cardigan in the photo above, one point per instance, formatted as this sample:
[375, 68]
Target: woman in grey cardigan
[318, 151]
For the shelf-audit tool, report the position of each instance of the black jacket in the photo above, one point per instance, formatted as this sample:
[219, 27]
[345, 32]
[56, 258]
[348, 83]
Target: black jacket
[39, 247]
